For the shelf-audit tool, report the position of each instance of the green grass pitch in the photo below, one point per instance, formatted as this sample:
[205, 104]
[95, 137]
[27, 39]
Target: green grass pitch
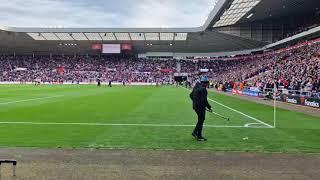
[85, 116]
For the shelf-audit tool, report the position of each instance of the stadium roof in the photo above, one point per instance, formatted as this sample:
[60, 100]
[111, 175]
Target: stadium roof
[224, 13]
[241, 11]
[196, 39]
[111, 34]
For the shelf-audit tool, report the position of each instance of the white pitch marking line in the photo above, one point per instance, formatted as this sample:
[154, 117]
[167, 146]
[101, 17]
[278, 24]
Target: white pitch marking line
[25, 100]
[250, 124]
[239, 112]
[106, 124]
[242, 113]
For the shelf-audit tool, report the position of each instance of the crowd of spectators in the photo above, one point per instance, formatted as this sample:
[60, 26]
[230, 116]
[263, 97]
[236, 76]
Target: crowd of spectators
[83, 69]
[296, 69]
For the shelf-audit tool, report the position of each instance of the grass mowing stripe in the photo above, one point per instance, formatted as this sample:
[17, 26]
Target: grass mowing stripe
[295, 132]
[34, 99]
[255, 119]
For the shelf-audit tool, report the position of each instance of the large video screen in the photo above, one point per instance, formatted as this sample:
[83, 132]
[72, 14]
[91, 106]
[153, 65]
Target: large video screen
[111, 48]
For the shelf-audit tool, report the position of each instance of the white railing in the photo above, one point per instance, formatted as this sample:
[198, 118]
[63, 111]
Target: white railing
[300, 92]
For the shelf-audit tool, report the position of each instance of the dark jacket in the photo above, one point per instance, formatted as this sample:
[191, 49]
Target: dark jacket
[199, 97]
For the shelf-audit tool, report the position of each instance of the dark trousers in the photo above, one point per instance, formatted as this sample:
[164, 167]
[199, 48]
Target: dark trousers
[201, 117]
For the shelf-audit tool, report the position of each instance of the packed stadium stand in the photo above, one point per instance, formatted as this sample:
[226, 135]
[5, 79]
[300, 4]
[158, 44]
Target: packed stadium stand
[296, 69]
[82, 69]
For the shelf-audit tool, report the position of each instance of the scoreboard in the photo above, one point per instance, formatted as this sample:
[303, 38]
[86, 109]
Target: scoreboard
[111, 48]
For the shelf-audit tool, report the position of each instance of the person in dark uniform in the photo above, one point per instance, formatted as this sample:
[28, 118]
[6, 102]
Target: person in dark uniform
[99, 82]
[110, 83]
[189, 84]
[200, 103]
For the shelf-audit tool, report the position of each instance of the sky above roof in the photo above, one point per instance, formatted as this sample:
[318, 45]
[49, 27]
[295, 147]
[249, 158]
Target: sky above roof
[104, 13]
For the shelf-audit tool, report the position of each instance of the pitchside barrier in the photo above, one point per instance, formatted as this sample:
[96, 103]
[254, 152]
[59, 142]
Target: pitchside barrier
[295, 92]
[9, 161]
[247, 92]
[82, 83]
[301, 100]
[304, 98]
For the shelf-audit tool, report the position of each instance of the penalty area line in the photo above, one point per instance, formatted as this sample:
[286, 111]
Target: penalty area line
[108, 124]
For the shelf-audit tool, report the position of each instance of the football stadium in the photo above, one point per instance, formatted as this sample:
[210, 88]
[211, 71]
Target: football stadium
[171, 89]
